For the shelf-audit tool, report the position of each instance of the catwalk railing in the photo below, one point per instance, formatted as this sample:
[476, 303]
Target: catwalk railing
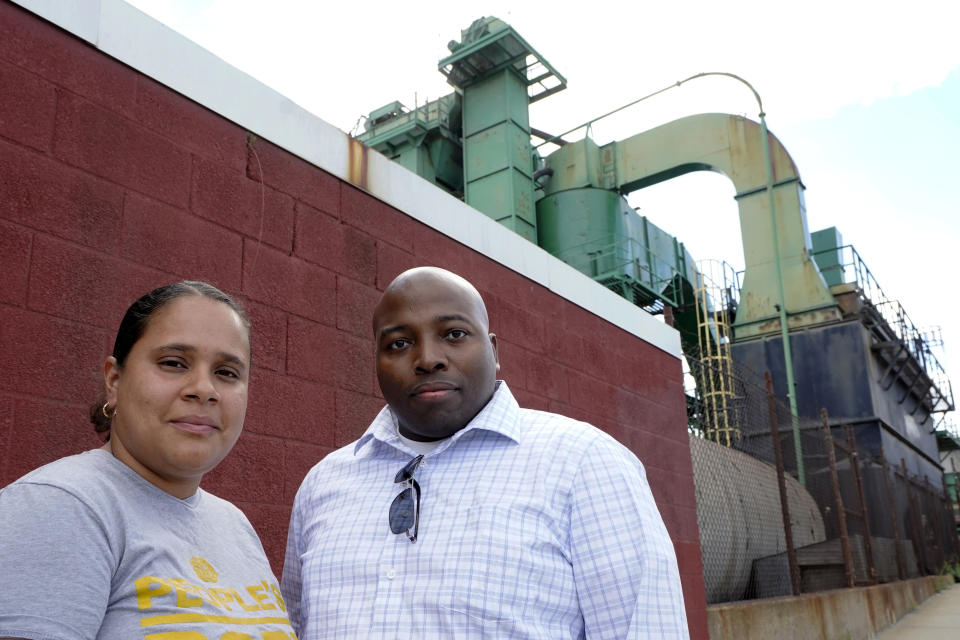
[861, 519]
[894, 333]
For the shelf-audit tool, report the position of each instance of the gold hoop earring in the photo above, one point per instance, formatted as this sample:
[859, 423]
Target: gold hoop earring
[108, 413]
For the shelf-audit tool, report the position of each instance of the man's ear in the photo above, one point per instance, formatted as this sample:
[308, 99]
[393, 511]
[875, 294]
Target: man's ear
[111, 379]
[496, 353]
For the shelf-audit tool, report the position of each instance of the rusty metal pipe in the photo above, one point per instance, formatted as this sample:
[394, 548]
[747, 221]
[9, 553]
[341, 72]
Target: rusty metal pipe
[782, 486]
[901, 563]
[950, 516]
[919, 545]
[858, 480]
[941, 558]
[838, 500]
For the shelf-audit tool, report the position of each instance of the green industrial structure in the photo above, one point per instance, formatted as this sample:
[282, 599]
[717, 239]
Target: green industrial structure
[805, 308]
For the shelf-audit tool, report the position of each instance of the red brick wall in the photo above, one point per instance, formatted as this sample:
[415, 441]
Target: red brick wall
[111, 184]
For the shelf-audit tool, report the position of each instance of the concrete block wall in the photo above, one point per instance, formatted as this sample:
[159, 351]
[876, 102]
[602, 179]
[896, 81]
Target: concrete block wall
[111, 184]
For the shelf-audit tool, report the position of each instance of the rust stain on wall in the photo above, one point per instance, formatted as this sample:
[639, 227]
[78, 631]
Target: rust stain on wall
[357, 163]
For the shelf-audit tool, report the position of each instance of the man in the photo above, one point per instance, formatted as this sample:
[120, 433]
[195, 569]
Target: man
[460, 515]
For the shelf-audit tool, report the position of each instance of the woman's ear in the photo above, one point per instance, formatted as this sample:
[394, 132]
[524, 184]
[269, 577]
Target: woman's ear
[111, 379]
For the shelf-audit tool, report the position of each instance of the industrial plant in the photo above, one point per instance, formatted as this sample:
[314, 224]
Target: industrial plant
[793, 422]
[817, 405]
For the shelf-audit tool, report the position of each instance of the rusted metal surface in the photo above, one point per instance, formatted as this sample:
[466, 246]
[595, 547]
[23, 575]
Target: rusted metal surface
[668, 315]
[838, 500]
[782, 486]
[941, 555]
[894, 522]
[919, 546]
[858, 479]
[357, 163]
[849, 449]
[950, 517]
[954, 528]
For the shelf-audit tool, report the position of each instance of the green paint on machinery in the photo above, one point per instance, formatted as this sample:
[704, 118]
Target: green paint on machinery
[499, 75]
[476, 144]
[826, 245]
[425, 140]
[596, 232]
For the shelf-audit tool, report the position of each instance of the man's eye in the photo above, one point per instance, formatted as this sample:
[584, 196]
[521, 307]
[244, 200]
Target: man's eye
[176, 364]
[456, 334]
[397, 344]
[228, 373]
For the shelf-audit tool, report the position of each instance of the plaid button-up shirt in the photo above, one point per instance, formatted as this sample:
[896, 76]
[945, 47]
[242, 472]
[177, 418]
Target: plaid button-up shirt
[532, 525]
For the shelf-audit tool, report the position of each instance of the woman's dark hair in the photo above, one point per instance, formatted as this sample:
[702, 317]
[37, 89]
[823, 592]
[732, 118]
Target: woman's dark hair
[137, 318]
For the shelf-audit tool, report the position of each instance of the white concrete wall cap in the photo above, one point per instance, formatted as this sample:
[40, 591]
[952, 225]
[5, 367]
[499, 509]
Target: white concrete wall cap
[139, 41]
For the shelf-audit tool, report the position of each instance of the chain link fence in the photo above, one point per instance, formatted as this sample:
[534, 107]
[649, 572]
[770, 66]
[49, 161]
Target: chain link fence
[789, 505]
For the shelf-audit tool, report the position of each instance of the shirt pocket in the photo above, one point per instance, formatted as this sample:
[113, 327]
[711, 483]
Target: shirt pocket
[511, 568]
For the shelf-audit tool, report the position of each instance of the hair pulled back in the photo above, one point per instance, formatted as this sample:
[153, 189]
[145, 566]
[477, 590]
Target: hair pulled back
[137, 318]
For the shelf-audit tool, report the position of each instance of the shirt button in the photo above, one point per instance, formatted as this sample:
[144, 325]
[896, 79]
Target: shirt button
[391, 574]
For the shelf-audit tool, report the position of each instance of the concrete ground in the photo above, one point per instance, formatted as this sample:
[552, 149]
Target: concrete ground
[936, 619]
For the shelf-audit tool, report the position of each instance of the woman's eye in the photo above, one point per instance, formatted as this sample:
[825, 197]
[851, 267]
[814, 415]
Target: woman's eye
[176, 364]
[228, 373]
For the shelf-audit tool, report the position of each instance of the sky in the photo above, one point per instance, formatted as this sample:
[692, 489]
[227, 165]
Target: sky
[865, 96]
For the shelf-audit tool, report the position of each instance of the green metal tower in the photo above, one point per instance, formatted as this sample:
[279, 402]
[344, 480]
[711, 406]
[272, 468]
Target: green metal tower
[499, 75]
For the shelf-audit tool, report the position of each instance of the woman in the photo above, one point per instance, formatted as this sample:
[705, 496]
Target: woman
[120, 542]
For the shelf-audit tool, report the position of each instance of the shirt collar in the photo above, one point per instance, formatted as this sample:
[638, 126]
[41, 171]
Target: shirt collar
[500, 415]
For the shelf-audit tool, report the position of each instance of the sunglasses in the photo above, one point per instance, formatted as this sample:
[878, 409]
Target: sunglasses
[405, 508]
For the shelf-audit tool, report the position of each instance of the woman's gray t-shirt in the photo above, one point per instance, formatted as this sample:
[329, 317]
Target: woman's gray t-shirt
[91, 550]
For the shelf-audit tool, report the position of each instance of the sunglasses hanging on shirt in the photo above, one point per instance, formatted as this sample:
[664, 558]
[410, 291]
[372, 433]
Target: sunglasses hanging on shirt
[405, 508]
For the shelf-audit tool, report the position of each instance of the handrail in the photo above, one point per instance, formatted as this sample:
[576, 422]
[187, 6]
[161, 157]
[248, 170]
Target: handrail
[853, 270]
[613, 256]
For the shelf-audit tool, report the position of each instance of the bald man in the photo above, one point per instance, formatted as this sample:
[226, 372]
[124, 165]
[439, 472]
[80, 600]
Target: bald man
[458, 514]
